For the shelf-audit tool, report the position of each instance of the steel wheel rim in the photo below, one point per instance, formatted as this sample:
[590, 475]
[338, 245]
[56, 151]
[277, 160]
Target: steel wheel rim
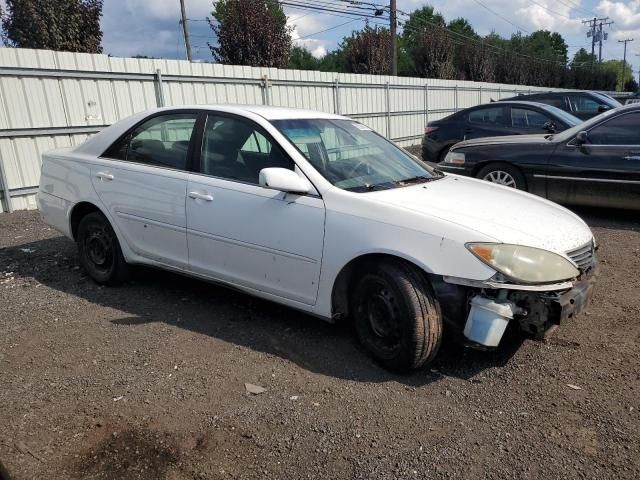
[501, 178]
[379, 309]
[98, 246]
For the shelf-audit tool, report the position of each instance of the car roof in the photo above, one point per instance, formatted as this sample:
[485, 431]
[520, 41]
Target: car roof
[523, 102]
[266, 111]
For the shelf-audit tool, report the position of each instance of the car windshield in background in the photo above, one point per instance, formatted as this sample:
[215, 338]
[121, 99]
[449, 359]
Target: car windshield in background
[573, 131]
[566, 117]
[612, 102]
[352, 156]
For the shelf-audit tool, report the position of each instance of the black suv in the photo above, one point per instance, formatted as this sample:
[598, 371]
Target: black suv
[583, 105]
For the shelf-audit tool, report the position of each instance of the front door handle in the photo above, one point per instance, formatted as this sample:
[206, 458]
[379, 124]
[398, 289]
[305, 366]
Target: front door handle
[632, 157]
[104, 176]
[201, 196]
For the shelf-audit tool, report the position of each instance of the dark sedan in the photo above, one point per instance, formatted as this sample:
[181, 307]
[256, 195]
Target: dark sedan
[495, 119]
[596, 163]
[584, 105]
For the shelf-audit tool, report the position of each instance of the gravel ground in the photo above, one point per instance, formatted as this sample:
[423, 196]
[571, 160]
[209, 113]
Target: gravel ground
[147, 381]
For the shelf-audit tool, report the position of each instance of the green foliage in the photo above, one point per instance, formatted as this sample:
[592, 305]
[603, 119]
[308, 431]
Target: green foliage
[63, 25]
[301, 59]
[462, 26]
[582, 57]
[615, 67]
[368, 51]
[251, 32]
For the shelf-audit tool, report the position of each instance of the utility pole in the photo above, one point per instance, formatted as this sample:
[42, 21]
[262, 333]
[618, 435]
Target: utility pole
[638, 55]
[185, 30]
[602, 36]
[393, 18]
[596, 34]
[624, 59]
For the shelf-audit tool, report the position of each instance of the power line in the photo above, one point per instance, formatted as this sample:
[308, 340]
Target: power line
[500, 16]
[483, 43]
[330, 28]
[551, 11]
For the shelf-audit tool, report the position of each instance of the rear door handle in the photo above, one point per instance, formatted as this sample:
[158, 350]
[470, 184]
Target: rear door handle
[201, 196]
[104, 176]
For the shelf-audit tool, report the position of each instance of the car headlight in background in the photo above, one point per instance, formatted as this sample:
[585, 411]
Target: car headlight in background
[524, 264]
[454, 157]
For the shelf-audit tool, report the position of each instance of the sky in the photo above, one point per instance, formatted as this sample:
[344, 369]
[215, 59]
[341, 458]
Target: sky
[151, 27]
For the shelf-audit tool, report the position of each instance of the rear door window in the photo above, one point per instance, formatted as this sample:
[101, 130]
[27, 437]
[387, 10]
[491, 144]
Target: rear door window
[161, 141]
[527, 118]
[488, 116]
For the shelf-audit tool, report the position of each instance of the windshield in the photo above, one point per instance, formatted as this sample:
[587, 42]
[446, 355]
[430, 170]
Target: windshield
[573, 131]
[352, 156]
[566, 117]
[612, 102]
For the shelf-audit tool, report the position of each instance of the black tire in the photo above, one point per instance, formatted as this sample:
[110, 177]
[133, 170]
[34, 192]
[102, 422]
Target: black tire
[505, 171]
[99, 250]
[396, 316]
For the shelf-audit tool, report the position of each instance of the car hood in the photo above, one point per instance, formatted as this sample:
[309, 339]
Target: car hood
[507, 140]
[504, 214]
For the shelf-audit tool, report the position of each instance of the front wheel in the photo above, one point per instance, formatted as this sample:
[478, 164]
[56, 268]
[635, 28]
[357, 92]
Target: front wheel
[99, 250]
[503, 174]
[396, 316]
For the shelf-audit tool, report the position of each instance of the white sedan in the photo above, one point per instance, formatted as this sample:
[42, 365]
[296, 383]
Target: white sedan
[320, 213]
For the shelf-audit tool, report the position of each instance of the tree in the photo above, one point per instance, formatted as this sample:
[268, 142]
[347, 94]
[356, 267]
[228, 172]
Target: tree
[63, 25]
[251, 32]
[368, 51]
[631, 85]
[428, 44]
[463, 27]
[301, 59]
[582, 57]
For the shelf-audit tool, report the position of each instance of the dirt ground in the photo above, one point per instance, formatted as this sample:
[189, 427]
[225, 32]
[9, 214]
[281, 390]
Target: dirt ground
[147, 381]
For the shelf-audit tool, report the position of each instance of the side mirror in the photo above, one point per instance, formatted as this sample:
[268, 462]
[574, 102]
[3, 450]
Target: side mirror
[582, 137]
[284, 180]
[603, 108]
[550, 127]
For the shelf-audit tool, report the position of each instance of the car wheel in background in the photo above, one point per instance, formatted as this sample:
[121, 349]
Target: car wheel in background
[503, 174]
[99, 250]
[396, 316]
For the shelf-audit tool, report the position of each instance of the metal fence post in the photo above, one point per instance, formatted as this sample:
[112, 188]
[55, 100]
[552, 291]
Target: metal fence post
[499, 92]
[480, 94]
[336, 97]
[4, 187]
[265, 90]
[157, 80]
[456, 98]
[388, 90]
[426, 104]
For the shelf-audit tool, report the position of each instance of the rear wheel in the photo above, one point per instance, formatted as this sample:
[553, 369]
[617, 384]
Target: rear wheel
[503, 174]
[99, 250]
[396, 316]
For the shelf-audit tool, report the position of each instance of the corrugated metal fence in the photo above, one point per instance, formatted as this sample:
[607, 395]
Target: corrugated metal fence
[56, 99]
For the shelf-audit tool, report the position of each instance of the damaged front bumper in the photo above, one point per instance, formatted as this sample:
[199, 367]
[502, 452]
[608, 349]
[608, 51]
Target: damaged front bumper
[536, 308]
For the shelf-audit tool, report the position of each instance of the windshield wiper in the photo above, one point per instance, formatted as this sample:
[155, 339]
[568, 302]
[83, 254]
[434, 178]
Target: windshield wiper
[416, 179]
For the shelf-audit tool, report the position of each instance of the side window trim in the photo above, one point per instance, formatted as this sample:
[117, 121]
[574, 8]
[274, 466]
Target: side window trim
[199, 139]
[198, 113]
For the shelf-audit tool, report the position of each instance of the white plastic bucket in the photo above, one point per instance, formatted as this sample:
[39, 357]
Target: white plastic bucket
[487, 320]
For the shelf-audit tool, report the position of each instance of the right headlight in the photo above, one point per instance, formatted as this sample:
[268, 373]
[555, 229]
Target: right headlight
[524, 264]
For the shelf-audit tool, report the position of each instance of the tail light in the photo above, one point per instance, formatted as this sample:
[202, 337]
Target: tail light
[428, 129]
